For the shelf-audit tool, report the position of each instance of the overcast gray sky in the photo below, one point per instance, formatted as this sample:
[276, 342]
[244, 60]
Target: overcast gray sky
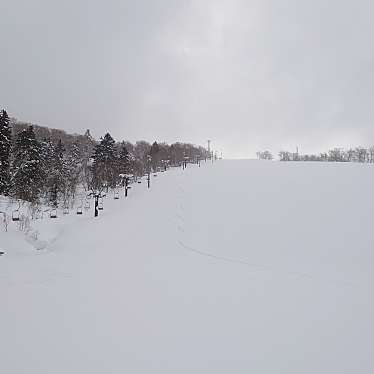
[248, 74]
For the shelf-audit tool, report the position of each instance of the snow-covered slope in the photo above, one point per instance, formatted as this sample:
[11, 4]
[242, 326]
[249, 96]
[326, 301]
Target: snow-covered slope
[235, 267]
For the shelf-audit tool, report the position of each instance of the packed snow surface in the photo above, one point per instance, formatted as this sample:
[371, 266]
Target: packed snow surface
[233, 267]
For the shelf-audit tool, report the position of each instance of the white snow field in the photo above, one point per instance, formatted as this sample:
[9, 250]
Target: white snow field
[234, 267]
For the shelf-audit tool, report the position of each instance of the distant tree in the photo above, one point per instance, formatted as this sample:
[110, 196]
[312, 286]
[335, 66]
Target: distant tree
[5, 148]
[27, 171]
[164, 156]
[141, 153]
[371, 154]
[350, 154]
[173, 155]
[361, 154]
[284, 156]
[177, 153]
[266, 155]
[335, 155]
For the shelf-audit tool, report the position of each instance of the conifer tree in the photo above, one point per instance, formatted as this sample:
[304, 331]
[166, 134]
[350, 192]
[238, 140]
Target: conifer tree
[57, 175]
[154, 153]
[104, 164]
[74, 169]
[5, 148]
[27, 168]
[124, 160]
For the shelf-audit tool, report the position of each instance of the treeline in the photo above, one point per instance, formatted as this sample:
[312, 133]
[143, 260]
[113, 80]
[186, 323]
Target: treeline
[358, 154]
[42, 165]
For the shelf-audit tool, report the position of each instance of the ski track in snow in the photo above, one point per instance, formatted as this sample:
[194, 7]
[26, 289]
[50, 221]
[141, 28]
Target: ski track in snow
[299, 275]
[259, 267]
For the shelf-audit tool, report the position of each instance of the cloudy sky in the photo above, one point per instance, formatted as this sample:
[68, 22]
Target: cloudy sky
[248, 74]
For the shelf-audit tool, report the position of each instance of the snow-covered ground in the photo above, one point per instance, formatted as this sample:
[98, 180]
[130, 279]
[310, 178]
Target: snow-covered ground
[235, 267]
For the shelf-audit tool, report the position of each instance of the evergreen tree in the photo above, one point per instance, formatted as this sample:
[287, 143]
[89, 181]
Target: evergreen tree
[5, 147]
[104, 164]
[57, 175]
[74, 169]
[46, 156]
[154, 153]
[124, 160]
[27, 168]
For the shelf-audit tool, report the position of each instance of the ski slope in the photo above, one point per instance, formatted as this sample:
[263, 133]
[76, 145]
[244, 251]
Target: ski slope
[234, 267]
